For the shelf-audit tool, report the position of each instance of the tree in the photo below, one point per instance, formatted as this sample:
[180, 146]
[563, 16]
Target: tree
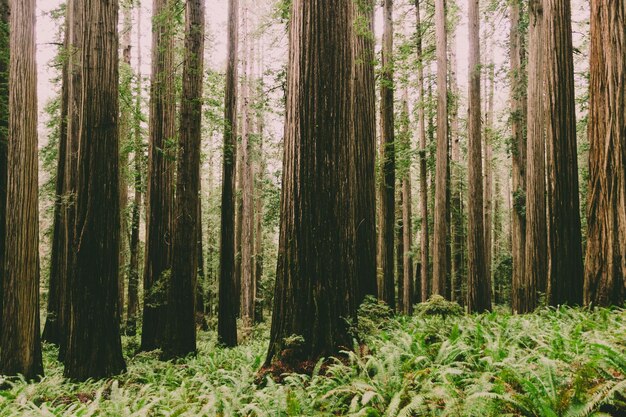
[94, 347]
[424, 238]
[386, 290]
[316, 288]
[605, 262]
[227, 320]
[180, 335]
[160, 198]
[4, 130]
[440, 242]
[565, 271]
[478, 284]
[518, 117]
[536, 247]
[20, 345]
[406, 213]
[365, 135]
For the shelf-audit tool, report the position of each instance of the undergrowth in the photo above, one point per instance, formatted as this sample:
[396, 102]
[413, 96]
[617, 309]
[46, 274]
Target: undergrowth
[564, 362]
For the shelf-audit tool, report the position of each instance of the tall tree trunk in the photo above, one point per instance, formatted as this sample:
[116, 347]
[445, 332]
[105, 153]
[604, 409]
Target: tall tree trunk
[365, 134]
[4, 131]
[316, 286]
[160, 196]
[95, 349]
[423, 144]
[247, 189]
[478, 284]
[565, 271]
[386, 290]
[20, 345]
[258, 235]
[440, 241]
[536, 247]
[519, 111]
[227, 320]
[489, 174]
[180, 335]
[51, 331]
[407, 261]
[605, 266]
[133, 268]
[399, 246]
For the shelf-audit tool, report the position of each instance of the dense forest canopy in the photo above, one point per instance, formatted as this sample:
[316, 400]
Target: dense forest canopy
[313, 207]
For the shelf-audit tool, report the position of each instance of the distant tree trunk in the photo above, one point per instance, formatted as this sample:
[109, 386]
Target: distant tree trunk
[565, 272]
[238, 213]
[4, 131]
[440, 254]
[75, 87]
[95, 327]
[399, 247]
[316, 286]
[58, 258]
[478, 284]
[227, 320]
[133, 268]
[365, 135]
[407, 230]
[258, 235]
[247, 188]
[519, 111]
[160, 176]
[180, 335]
[199, 292]
[386, 290]
[423, 144]
[605, 266]
[20, 345]
[489, 175]
[536, 247]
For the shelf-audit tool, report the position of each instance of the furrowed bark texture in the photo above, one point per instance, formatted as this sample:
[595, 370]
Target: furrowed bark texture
[4, 130]
[605, 262]
[316, 288]
[160, 198]
[94, 347]
[20, 345]
[565, 267]
[227, 320]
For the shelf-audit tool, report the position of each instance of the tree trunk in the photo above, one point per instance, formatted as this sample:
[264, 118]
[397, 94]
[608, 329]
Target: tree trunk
[605, 266]
[386, 290]
[519, 110]
[536, 247]
[423, 144]
[407, 230]
[180, 335]
[95, 349]
[316, 286]
[20, 345]
[133, 268]
[52, 331]
[489, 182]
[365, 134]
[565, 271]
[160, 196]
[440, 242]
[227, 321]
[478, 284]
[399, 246]
[4, 131]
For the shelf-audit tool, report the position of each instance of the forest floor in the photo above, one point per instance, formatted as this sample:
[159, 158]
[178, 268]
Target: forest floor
[566, 362]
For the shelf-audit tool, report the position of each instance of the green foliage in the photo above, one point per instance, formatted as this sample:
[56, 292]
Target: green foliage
[438, 306]
[563, 362]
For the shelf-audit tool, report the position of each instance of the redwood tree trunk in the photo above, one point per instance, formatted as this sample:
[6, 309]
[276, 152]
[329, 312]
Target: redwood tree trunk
[316, 287]
[4, 130]
[478, 284]
[605, 266]
[227, 320]
[536, 249]
[440, 242]
[20, 345]
[160, 176]
[365, 136]
[565, 271]
[386, 290]
[94, 348]
[518, 153]
[180, 335]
